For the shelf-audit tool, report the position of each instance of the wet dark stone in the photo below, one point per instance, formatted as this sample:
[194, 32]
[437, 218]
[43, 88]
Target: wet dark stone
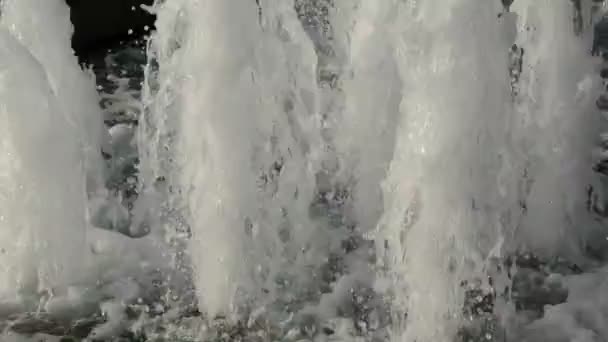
[83, 327]
[602, 103]
[478, 302]
[68, 339]
[486, 329]
[507, 4]
[537, 283]
[532, 291]
[601, 167]
[100, 23]
[32, 324]
[600, 37]
[328, 331]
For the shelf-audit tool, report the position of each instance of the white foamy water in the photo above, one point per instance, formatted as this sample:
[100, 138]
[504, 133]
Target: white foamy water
[244, 218]
[449, 191]
[317, 171]
[557, 127]
[45, 108]
[53, 262]
[443, 165]
[46, 32]
[43, 191]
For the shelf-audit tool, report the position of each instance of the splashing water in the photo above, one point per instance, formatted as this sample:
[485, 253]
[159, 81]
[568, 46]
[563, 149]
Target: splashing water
[446, 190]
[54, 264]
[47, 109]
[238, 208]
[309, 170]
[554, 101]
[36, 225]
[35, 29]
[420, 117]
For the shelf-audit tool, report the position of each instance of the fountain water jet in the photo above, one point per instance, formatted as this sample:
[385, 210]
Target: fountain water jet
[43, 193]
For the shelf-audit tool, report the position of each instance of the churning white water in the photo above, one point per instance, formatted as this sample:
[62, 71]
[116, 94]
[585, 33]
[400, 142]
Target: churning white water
[43, 182]
[307, 171]
[53, 262]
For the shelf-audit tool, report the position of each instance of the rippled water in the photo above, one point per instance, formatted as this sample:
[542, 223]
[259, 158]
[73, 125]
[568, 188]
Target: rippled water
[307, 171]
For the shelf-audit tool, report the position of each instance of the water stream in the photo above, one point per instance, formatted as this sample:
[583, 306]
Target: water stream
[316, 170]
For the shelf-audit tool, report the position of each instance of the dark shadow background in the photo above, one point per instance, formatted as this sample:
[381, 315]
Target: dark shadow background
[100, 24]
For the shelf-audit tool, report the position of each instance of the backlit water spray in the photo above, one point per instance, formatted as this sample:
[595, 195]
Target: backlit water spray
[445, 161]
[307, 171]
[44, 174]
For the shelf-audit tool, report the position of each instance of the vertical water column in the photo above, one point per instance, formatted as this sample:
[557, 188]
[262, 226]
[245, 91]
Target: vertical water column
[365, 130]
[557, 128]
[235, 87]
[42, 217]
[446, 193]
[54, 127]
[44, 27]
